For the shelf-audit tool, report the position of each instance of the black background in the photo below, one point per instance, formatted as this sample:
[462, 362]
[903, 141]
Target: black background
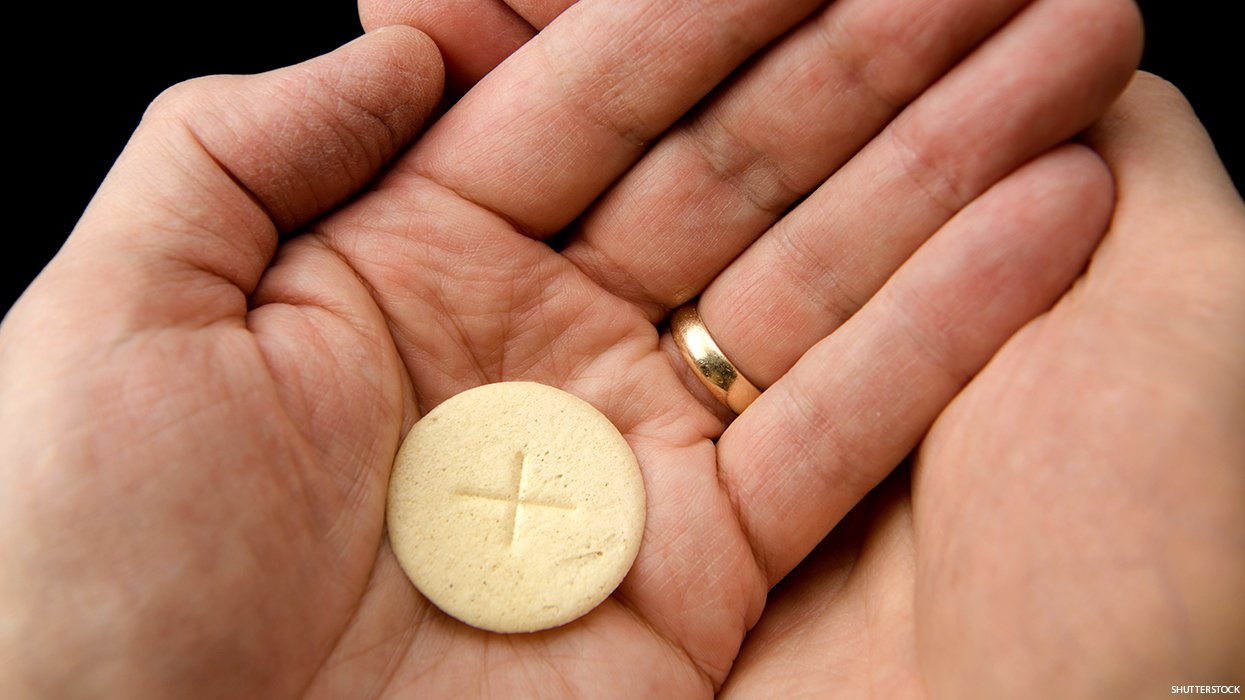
[85, 77]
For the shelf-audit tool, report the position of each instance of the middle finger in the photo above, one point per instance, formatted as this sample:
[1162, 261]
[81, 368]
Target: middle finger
[719, 180]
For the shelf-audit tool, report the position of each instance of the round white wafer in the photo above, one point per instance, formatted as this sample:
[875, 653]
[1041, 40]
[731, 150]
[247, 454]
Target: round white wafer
[515, 507]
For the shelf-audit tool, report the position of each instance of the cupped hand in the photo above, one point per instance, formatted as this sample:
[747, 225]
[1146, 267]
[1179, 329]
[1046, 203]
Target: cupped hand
[199, 419]
[1072, 526]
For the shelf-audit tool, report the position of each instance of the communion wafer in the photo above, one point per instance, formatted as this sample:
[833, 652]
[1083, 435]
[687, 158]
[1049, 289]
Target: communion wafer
[515, 507]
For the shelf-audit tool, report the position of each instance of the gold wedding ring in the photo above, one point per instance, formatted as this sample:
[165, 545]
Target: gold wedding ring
[708, 363]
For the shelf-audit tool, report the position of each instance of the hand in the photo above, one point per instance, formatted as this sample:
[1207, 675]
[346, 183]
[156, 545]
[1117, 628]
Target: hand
[1073, 524]
[198, 433]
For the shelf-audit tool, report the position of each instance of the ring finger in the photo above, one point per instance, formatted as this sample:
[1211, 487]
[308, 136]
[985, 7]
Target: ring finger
[1035, 83]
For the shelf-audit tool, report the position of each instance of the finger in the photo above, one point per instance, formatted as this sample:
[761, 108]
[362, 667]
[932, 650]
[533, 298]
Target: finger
[1179, 219]
[1095, 434]
[1167, 170]
[820, 438]
[844, 616]
[189, 216]
[545, 133]
[539, 13]
[474, 36]
[714, 184]
[1036, 83]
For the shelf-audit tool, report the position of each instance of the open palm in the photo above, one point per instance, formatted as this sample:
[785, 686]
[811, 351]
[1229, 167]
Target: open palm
[198, 500]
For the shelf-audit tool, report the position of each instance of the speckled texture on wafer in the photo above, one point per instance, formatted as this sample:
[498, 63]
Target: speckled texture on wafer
[515, 507]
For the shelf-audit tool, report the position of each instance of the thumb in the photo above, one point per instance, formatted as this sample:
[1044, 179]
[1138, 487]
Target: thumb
[189, 216]
[1176, 202]
[1170, 267]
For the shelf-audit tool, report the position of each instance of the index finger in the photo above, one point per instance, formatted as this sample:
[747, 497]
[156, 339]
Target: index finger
[543, 135]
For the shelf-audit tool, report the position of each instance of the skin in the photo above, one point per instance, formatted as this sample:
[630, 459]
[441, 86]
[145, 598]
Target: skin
[1072, 525]
[201, 397]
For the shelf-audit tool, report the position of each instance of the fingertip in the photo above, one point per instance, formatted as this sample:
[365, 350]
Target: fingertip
[410, 56]
[1147, 106]
[1076, 171]
[1157, 148]
[1131, 32]
[1065, 196]
[1144, 94]
[474, 36]
[1117, 27]
[1091, 190]
[374, 13]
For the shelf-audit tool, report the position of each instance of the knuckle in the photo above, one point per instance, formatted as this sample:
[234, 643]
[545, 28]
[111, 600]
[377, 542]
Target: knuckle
[732, 157]
[835, 461]
[928, 166]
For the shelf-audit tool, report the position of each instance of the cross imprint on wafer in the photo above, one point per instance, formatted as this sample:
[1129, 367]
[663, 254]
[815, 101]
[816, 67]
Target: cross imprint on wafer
[515, 498]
